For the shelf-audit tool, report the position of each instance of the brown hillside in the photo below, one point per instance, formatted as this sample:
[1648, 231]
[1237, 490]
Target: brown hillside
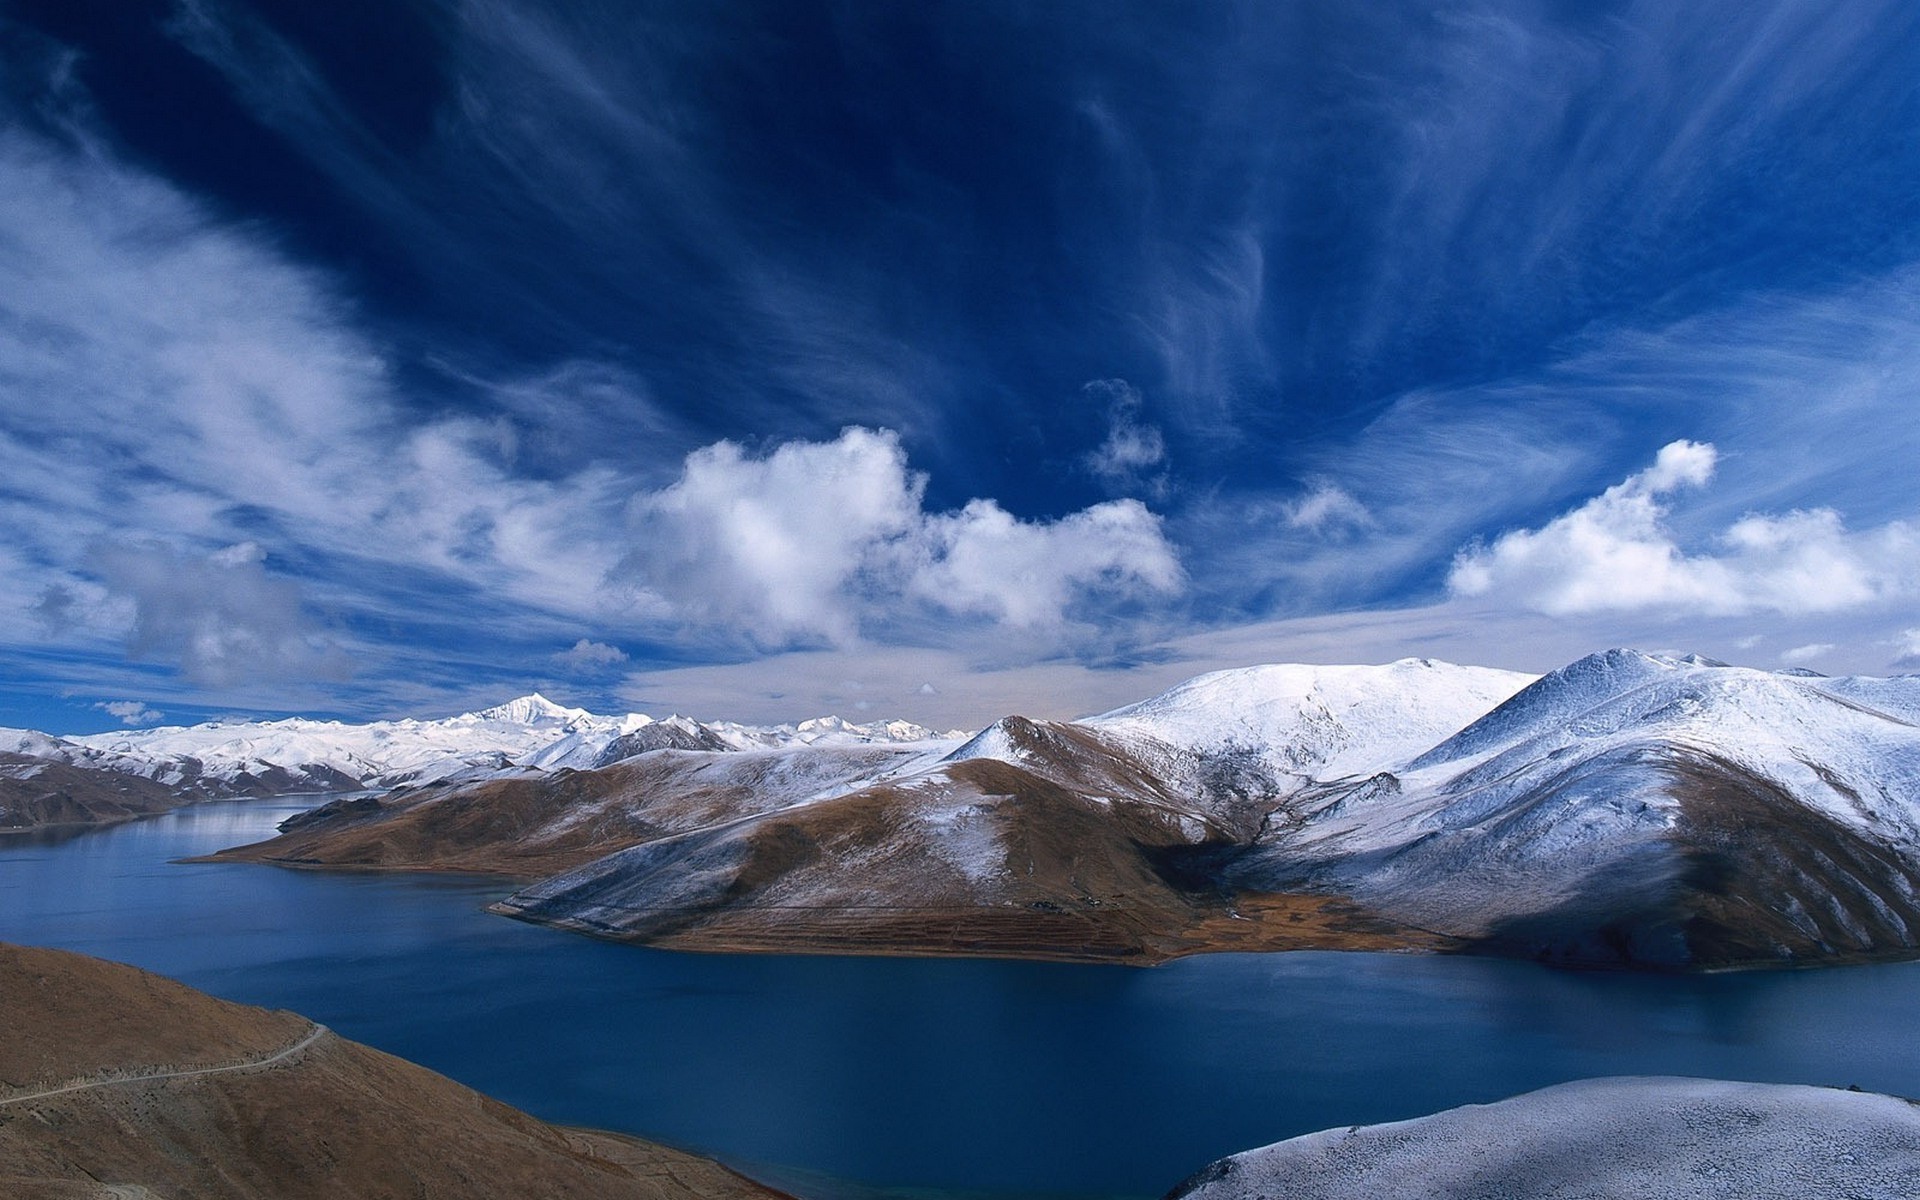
[331, 1118]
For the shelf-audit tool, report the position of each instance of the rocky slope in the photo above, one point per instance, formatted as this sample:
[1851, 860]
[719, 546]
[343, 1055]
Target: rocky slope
[1602, 1139]
[116, 1082]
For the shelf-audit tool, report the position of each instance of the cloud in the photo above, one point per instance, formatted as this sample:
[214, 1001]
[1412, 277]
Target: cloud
[56, 609]
[1133, 448]
[586, 657]
[1327, 508]
[1027, 574]
[1616, 553]
[1805, 654]
[818, 540]
[131, 712]
[220, 616]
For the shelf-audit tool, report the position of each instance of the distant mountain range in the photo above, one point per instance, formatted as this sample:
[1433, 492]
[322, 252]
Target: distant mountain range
[1626, 810]
[54, 780]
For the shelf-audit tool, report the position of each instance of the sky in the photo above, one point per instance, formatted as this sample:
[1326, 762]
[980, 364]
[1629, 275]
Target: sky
[761, 360]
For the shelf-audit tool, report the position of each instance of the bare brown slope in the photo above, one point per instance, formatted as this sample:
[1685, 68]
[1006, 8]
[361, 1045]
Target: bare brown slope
[39, 792]
[1064, 876]
[333, 1118]
[532, 827]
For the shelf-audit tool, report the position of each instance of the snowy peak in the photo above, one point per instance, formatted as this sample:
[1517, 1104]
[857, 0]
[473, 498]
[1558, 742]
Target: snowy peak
[527, 735]
[531, 709]
[1559, 698]
[1323, 720]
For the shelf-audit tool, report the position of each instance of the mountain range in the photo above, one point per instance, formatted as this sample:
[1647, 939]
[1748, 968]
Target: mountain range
[109, 776]
[1628, 809]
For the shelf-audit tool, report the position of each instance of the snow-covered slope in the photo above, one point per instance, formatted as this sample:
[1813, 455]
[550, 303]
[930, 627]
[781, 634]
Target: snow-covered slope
[1627, 809]
[1627, 1138]
[530, 734]
[1636, 807]
[1319, 721]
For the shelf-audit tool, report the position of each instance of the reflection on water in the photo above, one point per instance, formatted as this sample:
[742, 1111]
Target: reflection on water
[1015, 1078]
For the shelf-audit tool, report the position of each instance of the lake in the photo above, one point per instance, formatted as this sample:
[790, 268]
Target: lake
[852, 1078]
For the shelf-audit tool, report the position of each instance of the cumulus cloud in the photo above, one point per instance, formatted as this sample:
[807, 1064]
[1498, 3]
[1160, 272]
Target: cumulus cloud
[1133, 450]
[221, 616]
[1616, 553]
[770, 545]
[817, 539]
[1907, 648]
[131, 712]
[1025, 573]
[586, 657]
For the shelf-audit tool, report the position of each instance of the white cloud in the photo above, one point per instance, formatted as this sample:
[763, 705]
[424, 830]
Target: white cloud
[818, 539]
[772, 546]
[586, 657]
[1616, 553]
[1026, 574]
[131, 712]
[1326, 508]
[229, 398]
[1805, 654]
[1133, 448]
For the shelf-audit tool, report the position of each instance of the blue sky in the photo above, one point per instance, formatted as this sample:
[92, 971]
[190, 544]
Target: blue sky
[763, 360]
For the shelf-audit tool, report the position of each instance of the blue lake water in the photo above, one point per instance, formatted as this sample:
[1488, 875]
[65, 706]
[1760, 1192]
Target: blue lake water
[855, 1078]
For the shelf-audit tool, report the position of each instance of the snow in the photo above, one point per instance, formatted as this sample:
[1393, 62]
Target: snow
[1625, 1138]
[1814, 736]
[1323, 721]
[964, 838]
[525, 735]
[1578, 782]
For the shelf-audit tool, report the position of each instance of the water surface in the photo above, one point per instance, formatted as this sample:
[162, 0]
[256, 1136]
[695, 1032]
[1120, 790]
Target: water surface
[851, 1077]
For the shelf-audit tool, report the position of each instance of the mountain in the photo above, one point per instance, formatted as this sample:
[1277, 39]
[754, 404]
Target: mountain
[528, 736]
[1632, 809]
[1075, 840]
[1084, 840]
[1630, 1138]
[1627, 810]
[38, 791]
[115, 1082]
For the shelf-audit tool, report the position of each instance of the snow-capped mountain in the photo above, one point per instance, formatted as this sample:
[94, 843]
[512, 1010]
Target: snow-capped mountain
[1633, 807]
[1056, 837]
[528, 735]
[1627, 809]
[1319, 721]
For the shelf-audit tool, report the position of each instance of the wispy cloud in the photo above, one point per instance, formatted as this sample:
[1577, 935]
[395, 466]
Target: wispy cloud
[1327, 508]
[1134, 454]
[221, 616]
